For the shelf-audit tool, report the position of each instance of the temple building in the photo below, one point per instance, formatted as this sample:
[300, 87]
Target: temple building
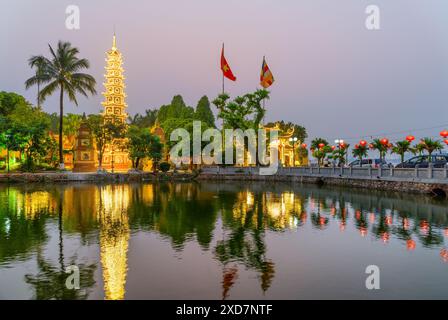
[115, 157]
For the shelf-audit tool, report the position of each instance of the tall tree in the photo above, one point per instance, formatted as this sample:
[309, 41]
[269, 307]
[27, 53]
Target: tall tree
[104, 132]
[62, 72]
[176, 109]
[204, 113]
[147, 120]
[38, 63]
[142, 144]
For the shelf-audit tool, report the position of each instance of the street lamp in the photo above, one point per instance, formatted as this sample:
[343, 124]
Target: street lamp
[293, 140]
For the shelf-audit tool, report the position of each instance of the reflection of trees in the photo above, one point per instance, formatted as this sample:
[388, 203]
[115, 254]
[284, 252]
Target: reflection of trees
[179, 211]
[245, 244]
[22, 227]
[50, 282]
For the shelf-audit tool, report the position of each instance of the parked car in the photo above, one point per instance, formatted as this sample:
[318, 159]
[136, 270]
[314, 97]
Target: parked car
[374, 163]
[438, 161]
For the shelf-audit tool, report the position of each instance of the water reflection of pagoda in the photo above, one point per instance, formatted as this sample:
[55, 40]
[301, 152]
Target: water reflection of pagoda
[114, 238]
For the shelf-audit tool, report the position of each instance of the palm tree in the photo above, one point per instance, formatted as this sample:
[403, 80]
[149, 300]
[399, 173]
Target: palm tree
[37, 62]
[430, 146]
[382, 148]
[401, 147]
[360, 152]
[61, 71]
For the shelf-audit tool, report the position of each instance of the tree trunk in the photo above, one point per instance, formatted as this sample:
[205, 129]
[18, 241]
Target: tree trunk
[61, 120]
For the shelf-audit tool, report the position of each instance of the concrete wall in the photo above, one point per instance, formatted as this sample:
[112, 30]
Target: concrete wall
[428, 180]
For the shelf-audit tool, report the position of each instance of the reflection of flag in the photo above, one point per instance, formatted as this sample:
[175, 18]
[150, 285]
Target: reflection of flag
[266, 77]
[226, 71]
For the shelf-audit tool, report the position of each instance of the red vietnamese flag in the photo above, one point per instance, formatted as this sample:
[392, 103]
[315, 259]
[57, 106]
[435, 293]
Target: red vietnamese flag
[226, 71]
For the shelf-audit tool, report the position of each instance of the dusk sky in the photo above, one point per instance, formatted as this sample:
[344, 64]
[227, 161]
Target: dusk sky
[333, 76]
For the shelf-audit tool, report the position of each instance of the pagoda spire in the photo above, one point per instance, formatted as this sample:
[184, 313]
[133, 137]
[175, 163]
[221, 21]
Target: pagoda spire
[114, 94]
[114, 43]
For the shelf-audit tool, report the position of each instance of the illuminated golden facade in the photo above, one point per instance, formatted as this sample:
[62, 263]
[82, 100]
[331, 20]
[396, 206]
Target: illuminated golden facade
[115, 107]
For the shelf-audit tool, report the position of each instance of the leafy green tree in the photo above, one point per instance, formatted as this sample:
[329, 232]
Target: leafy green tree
[28, 129]
[320, 148]
[204, 113]
[360, 152]
[177, 109]
[147, 120]
[104, 132]
[430, 146]
[318, 143]
[62, 72]
[9, 101]
[142, 144]
[401, 147]
[243, 112]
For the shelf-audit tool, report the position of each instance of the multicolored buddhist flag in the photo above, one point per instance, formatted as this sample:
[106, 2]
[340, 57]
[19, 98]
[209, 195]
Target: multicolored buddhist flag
[266, 77]
[226, 71]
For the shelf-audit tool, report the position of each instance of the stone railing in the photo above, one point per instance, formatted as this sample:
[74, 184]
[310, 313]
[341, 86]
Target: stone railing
[436, 175]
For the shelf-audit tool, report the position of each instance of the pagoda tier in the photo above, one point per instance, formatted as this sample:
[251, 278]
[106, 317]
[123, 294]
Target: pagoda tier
[114, 96]
[114, 104]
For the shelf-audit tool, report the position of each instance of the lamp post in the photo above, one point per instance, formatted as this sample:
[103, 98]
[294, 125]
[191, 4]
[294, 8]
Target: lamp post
[293, 140]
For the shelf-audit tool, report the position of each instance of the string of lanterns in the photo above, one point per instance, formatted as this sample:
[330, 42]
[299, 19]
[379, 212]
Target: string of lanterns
[383, 141]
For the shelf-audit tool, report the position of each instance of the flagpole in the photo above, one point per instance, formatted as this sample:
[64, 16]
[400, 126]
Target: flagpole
[222, 53]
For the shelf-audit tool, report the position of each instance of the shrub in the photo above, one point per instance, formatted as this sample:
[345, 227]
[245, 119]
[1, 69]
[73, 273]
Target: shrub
[164, 166]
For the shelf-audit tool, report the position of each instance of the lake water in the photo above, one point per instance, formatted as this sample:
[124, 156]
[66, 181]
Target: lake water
[219, 241]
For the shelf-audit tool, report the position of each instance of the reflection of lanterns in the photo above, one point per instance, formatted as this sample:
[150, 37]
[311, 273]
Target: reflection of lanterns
[444, 133]
[363, 231]
[342, 226]
[424, 226]
[363, 143]
[388, 220]
[444, 255]
[385, 237]
[405, 224]
[446, 232]
[372, 218]
[410, 138]
[410, 245]
[384, 141]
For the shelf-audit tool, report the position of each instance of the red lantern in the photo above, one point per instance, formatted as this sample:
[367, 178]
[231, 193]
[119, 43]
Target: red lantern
[342, 145]
[333, 147]
[356, 146]
[446, 141]
[321, 145]
[304, 145]
[363, 143]
[410, 138]
[371, 146]
[384, 141]
[444, 133]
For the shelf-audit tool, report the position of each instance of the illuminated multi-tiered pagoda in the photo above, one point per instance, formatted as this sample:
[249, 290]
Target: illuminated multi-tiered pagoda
[115, 107]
